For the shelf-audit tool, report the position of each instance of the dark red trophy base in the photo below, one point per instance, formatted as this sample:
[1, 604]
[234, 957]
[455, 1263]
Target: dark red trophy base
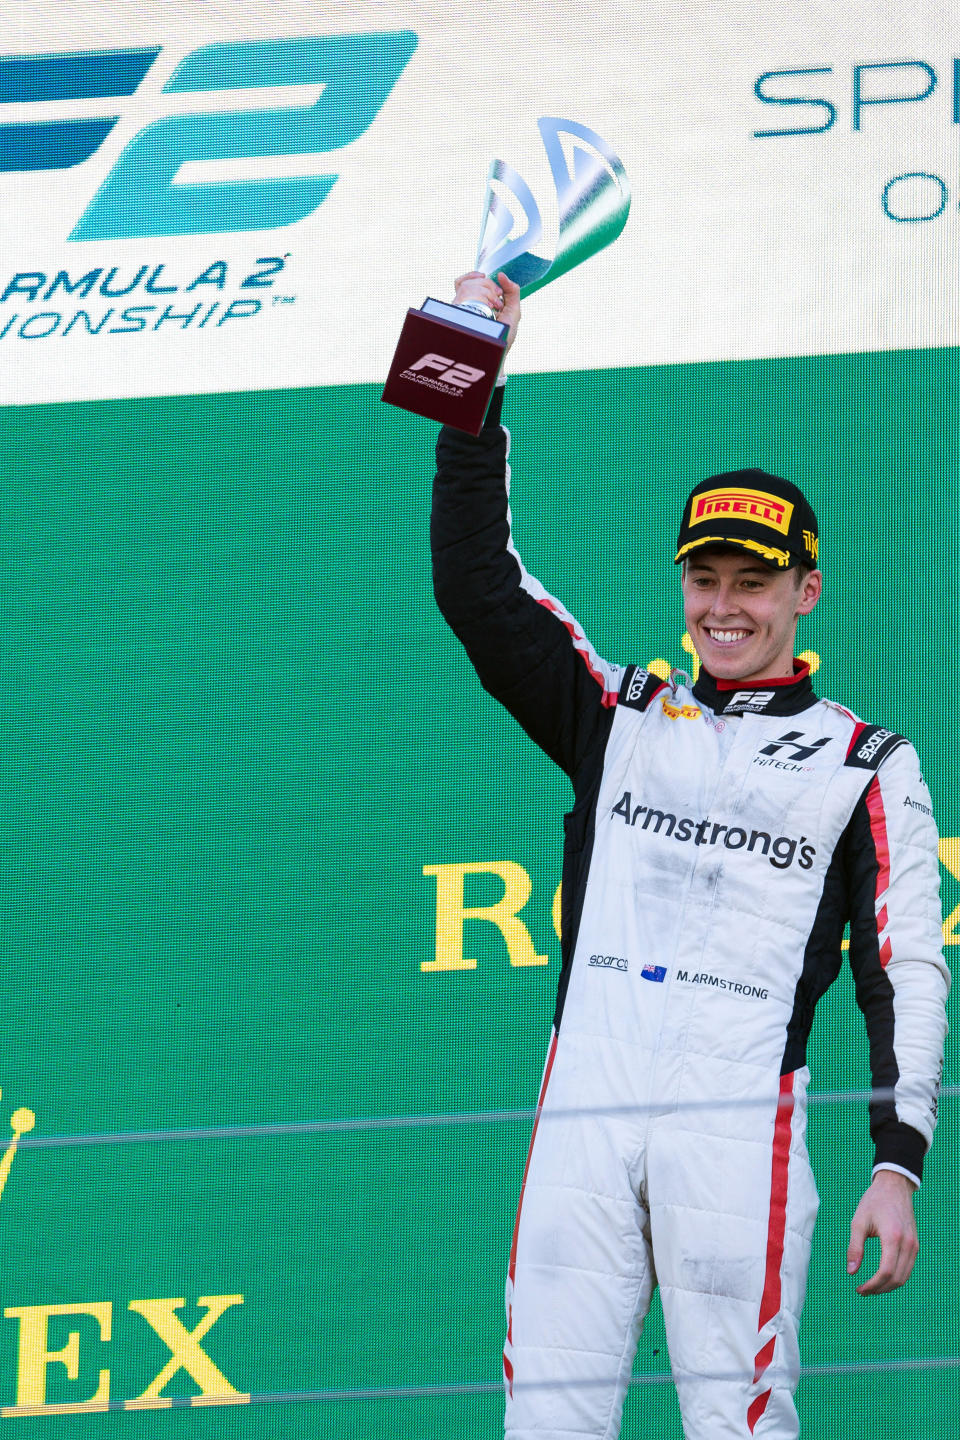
[444, 372]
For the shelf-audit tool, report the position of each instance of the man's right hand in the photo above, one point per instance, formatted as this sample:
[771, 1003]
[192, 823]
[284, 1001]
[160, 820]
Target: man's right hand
[500, 294]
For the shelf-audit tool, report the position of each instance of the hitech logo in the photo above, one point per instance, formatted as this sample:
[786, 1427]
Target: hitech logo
[795, 751]
[140, 196]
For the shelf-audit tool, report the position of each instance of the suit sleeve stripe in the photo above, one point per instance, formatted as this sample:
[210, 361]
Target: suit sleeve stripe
[607, 676]
[878, 830]
[583, 648]
[530, 656]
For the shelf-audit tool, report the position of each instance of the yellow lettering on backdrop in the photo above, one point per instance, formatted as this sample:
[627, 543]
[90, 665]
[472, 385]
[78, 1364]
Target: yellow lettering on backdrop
[950, 860]
[21, 1121]
[452, 912]
[663, 668]
[33, 1356]
[185, 1351]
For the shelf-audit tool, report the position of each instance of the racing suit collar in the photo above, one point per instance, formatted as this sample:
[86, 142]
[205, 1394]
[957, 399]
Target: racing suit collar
[787, 696]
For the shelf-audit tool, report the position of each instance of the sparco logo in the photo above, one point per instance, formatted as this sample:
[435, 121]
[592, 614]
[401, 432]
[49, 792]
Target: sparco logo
[780, 851]
[609, 962]
[874, 747]
[450, 372]
[637, 682]
[870, 748]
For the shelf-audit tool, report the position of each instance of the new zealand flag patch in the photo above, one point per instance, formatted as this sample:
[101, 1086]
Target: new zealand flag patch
[654, 972]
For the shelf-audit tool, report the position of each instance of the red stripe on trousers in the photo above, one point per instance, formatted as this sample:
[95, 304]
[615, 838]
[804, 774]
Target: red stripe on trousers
[776, 1230]
[507, 1367]
[878, 829]
[763, 1360]
[757, 1409]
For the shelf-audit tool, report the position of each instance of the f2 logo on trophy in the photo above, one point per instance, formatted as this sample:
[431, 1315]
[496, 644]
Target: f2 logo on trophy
[593, 198]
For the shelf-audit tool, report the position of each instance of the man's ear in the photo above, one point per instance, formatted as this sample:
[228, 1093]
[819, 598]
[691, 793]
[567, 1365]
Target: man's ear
[810, 592]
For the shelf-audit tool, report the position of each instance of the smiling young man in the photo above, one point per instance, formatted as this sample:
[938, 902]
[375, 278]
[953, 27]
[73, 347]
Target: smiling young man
[741, 615]
[721, 839]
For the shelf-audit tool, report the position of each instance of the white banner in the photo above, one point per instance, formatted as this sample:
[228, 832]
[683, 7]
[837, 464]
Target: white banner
[205, 198]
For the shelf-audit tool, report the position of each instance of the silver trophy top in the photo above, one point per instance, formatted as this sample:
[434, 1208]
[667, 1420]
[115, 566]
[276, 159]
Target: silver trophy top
[593, 197]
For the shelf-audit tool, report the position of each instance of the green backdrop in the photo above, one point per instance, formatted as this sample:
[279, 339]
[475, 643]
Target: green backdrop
[235, 732]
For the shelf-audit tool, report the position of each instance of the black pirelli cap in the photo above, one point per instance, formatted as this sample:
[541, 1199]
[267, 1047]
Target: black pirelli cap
[754, 511]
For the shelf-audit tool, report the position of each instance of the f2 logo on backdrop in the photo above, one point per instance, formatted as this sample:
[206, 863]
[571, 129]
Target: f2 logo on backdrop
[140, 197]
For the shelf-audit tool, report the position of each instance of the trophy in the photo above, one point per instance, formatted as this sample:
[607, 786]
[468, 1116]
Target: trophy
[449, 356]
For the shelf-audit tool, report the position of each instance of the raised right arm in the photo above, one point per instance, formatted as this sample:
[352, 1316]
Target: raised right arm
[527, 650]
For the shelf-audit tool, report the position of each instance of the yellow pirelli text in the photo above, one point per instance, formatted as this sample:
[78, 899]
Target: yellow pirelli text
[679, 712]
[739, 504]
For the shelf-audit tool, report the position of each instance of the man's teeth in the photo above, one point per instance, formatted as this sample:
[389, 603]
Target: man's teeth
[727, 637]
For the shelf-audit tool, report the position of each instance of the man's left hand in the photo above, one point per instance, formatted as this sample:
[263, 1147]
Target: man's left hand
[885, 1211]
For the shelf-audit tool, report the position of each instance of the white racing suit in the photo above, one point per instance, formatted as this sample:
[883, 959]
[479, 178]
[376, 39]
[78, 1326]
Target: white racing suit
[720, 840]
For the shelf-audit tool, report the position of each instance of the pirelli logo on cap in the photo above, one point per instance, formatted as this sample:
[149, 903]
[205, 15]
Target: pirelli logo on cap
[736, 504]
